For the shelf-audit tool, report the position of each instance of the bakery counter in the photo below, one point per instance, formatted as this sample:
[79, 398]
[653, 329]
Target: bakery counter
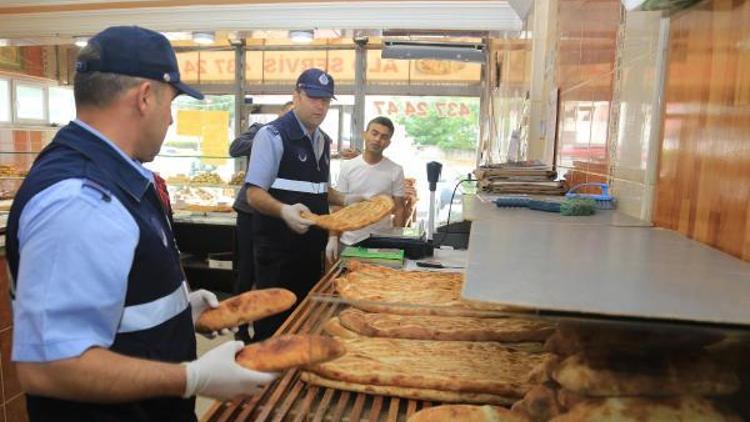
[290, 399]
[200, 237]
[209, 218]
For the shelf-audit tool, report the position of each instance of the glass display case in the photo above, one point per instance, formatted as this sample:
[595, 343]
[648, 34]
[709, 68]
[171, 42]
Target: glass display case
[194, 158]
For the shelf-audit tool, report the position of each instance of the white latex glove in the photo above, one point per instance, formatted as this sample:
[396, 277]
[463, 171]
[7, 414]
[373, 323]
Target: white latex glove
[217, 375]
[291, 216]
[201, 300]
[332, 248]
[352, 198]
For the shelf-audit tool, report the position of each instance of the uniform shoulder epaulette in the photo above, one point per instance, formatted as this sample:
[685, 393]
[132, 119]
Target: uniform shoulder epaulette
[105, 193]
[273, 129]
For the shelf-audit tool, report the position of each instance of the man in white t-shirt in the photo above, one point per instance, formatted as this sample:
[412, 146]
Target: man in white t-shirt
[372, 174]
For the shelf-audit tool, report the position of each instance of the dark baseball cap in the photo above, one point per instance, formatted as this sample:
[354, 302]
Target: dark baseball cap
[138, 52]
[316, 83]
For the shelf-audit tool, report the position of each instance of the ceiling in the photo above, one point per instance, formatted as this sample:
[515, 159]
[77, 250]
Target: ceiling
[53, 21]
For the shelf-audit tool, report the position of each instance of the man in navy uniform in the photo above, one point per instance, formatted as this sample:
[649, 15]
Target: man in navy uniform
[288, 174]
[241, 147]
[103, 319]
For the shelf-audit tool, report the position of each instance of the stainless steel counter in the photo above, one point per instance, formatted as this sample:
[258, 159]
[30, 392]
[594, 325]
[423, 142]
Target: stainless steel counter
[570, 264]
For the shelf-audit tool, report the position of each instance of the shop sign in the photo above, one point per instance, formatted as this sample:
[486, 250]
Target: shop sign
[285, 66]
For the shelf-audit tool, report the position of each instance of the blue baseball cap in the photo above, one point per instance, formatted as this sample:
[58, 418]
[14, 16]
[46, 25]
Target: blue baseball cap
[316, 83]
[138, 52]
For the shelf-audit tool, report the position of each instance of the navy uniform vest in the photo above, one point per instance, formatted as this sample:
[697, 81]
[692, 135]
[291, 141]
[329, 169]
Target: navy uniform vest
[156, 271]
[300, 179]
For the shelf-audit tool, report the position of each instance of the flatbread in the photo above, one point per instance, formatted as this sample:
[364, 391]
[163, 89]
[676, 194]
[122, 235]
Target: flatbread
[407, 392]
[654, 376]
[335, 328]
[244, 308]
[355, 216]
[459, 366]
[466, 413]
[568, 399]
[539, 404]
[632, 409]
[284, 352]
[385, 290]
[431, 327]
[574, 337]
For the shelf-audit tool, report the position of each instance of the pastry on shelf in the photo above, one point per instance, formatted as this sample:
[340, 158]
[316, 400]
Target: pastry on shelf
[6, 194]
[207, 179]
[179, 179]
[238, 178]
[208, 208]
[203, 195]
[11, 171]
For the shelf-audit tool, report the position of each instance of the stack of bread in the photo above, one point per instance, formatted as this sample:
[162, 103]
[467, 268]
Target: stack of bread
[409, 334]
[206, 179]
[11, 171]
[201, 200]
[238, 178]
[605, 372]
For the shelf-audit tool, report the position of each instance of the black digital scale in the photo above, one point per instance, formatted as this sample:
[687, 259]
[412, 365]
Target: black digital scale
[415, 243]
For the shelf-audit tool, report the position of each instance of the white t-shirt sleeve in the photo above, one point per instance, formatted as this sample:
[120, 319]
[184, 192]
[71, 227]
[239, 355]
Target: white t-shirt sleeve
[342, 185]
[398, 181]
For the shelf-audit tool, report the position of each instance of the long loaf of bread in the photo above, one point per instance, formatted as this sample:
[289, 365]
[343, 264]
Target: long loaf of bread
[284, 352]
[247, 307]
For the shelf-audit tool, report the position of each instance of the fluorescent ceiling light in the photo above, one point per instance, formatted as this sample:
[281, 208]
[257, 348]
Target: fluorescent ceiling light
[301, 35]
[203, 38]
[178, 36]
[81, 41]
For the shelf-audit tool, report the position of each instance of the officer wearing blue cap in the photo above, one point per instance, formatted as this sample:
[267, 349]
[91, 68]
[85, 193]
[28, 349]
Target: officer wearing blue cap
[103, 319]
[289, 174]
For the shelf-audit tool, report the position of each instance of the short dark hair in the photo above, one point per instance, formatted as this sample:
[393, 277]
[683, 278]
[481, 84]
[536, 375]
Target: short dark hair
[99, 89]
[381, 120]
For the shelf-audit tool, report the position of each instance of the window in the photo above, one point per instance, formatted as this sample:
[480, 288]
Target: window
[31, 104]
[62, 105]
[4, 100]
